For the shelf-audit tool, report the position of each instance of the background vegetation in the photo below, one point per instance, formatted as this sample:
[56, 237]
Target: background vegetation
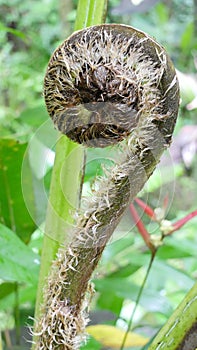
[29, 32]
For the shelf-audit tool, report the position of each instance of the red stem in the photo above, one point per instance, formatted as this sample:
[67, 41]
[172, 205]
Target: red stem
[148, 210]
[141, 228]
[178, 224]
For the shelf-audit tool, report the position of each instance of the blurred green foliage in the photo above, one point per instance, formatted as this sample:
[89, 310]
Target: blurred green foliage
[29, 32]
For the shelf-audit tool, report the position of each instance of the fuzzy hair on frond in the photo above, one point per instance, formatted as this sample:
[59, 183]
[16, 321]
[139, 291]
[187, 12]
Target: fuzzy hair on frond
[104, 85]
[102, 81]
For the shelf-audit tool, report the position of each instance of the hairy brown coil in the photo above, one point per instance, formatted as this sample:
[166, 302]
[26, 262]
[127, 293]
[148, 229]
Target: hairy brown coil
[103, 84]
[104, 79]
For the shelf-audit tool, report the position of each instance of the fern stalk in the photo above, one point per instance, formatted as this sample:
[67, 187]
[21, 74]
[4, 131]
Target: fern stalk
[146, 75]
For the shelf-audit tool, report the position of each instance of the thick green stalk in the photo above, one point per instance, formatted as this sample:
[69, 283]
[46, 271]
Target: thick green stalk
[90, 12]
[179, 333]
[64, 197]
[66, 178]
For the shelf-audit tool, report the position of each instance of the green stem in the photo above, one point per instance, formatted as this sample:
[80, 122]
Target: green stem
[90, 12]
[179, 333]
[138, 299]
[63, 199]
[17, 314]
[1, 344]
[67, 172]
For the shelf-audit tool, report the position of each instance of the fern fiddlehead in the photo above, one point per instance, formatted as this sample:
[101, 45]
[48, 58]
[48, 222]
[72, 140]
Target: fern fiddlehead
[105, 85]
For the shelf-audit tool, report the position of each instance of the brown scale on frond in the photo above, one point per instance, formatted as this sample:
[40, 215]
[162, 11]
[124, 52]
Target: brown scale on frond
[102, 80]
[103, 84]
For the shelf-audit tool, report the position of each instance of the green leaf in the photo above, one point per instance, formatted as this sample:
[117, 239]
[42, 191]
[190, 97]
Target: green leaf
[187, 38]
[110, 301]
[13, 211]
[174, 249]
[34, 116]
[126, 289]
[163, 271]
[12, 31]
[17, 261]
[27, 296]
[6, 288]
[124, 271]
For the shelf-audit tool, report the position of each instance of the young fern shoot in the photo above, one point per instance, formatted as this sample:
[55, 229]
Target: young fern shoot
[105, 85]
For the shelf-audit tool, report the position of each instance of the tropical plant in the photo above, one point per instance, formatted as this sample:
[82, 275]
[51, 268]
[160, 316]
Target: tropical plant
[29, 33]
